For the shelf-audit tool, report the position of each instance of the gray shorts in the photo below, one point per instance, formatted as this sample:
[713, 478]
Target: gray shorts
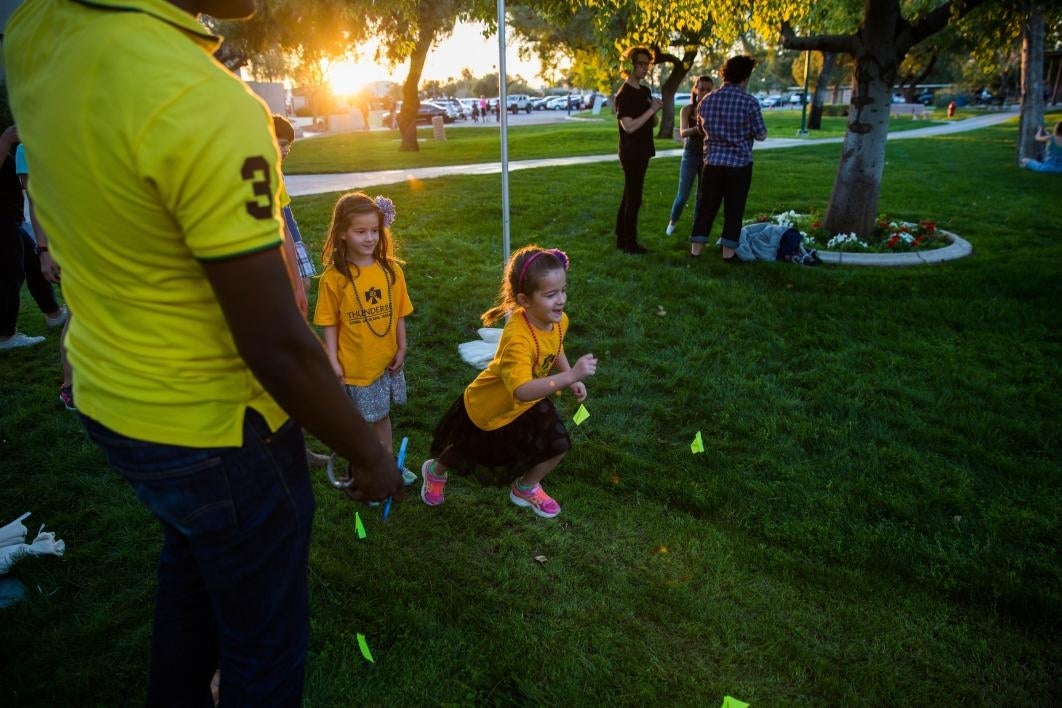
[374, 401]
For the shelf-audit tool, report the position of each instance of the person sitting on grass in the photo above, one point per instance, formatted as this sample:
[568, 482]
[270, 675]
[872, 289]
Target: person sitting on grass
[1052, 161]
[505, 420]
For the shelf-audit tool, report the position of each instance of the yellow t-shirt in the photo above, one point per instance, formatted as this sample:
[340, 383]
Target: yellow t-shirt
[522, 355]
[367, 318]
[148, 158]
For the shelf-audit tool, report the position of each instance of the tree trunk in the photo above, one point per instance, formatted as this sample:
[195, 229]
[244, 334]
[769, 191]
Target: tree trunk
[679, 70]
[407, 117]
[1032, 94]
[853, 203]
[821, 85]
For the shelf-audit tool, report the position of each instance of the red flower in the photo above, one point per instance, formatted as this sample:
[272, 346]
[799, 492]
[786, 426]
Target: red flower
[816, 224]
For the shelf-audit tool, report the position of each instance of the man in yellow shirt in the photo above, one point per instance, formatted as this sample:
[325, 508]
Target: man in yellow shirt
[155, 175]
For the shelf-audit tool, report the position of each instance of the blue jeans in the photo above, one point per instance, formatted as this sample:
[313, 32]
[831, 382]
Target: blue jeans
[689, 172]
[1037, 166]
[232, 575]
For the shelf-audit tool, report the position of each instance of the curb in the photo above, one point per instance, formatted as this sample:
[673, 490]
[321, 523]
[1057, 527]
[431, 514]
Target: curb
[958, 248]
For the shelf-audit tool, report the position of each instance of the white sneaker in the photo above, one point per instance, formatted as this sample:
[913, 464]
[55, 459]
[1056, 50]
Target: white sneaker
[20, 340]
[670, 228]
[60, 319]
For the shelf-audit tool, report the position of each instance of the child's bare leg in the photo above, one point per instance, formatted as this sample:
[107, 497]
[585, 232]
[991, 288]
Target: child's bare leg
[537, 473]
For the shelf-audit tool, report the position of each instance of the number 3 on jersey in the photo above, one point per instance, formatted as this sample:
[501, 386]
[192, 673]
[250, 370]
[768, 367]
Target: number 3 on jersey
[256, 170]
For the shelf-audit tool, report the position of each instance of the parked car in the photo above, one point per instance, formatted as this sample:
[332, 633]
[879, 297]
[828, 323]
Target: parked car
[454, 109]
[558, 103]
[425, 113]
[797, 99]
[925, 98]
[681, 99]
[770, 101]
[515, 102]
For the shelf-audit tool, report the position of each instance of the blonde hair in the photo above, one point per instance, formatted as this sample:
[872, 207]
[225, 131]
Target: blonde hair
[523, 274]
[347, 207]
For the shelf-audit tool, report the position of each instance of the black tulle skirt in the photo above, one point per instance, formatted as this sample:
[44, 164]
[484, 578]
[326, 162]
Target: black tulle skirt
[499, 456]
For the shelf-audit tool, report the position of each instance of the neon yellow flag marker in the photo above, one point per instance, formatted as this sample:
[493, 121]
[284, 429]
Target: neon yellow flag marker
[698, 444]
[581, 414]
[364, 646]
[731, 702]
[359, 527]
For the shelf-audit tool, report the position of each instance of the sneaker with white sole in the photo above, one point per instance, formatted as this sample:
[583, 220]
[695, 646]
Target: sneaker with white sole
[19, 340]
[541, 503]
[670, 228]
[432, 491]
[60, 319]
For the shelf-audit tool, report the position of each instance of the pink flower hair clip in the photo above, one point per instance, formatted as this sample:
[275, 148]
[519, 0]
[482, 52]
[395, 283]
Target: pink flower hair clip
[387, 208]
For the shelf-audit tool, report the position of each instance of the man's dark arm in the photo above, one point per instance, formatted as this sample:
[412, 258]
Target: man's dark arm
[271, 335]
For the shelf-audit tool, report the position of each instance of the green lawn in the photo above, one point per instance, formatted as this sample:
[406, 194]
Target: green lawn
[875, 520]
[590, 135]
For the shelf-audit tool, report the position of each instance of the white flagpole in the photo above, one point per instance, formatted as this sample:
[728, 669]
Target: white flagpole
[503, 114]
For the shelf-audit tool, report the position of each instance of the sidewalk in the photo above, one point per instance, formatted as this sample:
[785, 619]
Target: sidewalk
[301, 185]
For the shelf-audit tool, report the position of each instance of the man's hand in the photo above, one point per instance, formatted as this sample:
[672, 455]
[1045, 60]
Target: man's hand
[370, 485]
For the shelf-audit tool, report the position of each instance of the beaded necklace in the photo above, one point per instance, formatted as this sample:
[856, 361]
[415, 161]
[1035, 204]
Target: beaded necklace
[531, 328]
[361, 305]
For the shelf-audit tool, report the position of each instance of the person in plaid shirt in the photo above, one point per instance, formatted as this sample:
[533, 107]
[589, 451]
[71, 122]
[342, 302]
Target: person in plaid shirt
[731, 120]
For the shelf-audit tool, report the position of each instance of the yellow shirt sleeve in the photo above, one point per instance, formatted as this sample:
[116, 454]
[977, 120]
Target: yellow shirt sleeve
[219, 186]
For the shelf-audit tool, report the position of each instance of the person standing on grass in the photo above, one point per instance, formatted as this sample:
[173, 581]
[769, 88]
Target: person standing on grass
[635, 113]
[504, 422]
[19, 259]
[300, 267]
[731, 120]
[155, 174]
[51, 272]
[692, 153]
[362, 304]
[1052, 161]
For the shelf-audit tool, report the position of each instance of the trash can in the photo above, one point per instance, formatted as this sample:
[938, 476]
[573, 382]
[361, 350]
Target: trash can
[438, 127]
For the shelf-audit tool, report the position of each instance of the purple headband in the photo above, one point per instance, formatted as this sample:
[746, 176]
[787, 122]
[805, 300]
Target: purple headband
[387, 208]
[555, 252]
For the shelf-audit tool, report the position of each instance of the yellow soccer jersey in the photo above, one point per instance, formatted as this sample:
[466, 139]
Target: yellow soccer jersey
[367, 315]
[148, 158]
[523, 355]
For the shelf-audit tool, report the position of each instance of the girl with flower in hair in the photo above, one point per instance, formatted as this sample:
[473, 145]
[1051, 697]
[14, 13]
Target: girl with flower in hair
[362, 304]
[504, 426]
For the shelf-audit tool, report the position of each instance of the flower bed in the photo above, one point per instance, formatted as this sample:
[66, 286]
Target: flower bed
[889, 235]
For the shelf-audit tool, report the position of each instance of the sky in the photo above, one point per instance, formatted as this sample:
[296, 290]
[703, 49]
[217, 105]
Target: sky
[466, 47]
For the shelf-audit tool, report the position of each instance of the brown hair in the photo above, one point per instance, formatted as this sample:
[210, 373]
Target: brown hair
[523, 273]
[347, 207]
